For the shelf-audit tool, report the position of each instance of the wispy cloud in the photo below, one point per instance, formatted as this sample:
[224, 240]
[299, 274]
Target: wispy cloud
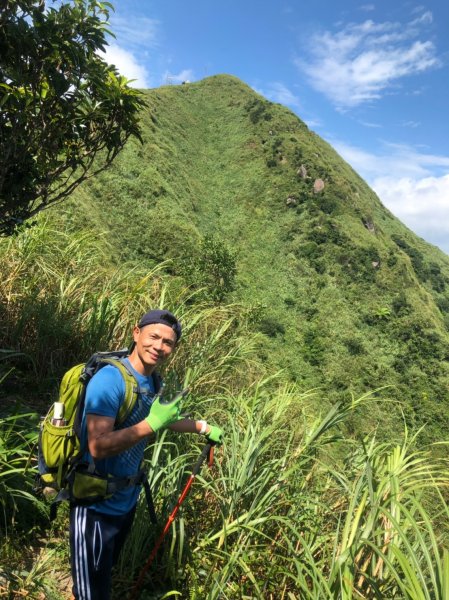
[278, 92]
[133, 31]
[425, 19]
[399, 160]
[361, 62]
[313, 123]
[412, 184]
[367, 7]
[184, 75]
[135, 37]
[371, 125]
[410, 124]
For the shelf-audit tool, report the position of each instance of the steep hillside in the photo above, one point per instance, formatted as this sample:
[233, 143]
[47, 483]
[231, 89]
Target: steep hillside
[346, 298]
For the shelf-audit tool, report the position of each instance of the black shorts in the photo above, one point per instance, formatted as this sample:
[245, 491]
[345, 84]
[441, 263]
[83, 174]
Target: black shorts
[96, 540]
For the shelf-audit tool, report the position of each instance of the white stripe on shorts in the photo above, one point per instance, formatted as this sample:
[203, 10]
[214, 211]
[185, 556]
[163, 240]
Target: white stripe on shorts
[81, 561]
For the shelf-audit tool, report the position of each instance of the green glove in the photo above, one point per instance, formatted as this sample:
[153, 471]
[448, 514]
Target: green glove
[163, 414]
[215, 435]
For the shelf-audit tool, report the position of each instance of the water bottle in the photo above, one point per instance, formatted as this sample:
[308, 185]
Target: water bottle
[58, 415]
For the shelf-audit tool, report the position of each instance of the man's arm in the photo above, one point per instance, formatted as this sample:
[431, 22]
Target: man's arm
[188, 426]
[213, 433]
[104, 441]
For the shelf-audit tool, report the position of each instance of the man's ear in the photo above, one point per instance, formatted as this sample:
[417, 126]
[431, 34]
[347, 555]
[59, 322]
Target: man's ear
[136, 332]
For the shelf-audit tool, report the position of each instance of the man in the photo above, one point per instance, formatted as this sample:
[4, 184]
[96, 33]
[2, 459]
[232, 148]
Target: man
[98, 531]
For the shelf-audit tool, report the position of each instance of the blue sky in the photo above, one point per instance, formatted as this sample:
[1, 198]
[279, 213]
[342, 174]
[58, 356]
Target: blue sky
[372, 78]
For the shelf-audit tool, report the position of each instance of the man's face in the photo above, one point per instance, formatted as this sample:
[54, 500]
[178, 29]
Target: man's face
[154, 343]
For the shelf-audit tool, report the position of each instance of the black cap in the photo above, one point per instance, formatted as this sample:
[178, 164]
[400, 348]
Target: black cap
[161, 316]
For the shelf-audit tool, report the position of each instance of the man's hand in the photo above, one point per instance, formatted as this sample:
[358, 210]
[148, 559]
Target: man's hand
[215, 435]
[162, 415]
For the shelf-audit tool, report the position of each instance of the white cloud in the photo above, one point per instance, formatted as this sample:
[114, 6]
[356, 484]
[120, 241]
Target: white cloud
[313, 123]
[400, 159]
[361, 62]
[184, 75]
[371, 125]
[426, 18]
[135, 36]
[135, 31]
[411, 124]
[278, 92]
[422, 204]
[127, 65]
[413, 185]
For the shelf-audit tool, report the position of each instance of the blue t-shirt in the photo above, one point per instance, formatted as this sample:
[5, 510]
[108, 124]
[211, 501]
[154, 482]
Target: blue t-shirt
[105, 393]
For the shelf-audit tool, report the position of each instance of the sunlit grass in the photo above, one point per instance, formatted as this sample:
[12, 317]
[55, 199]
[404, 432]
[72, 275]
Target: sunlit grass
[276, 519]
[294, 507]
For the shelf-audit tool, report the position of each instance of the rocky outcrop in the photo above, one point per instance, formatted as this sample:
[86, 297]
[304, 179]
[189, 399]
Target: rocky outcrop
[318, 186]
[369, 225]
[302, 172]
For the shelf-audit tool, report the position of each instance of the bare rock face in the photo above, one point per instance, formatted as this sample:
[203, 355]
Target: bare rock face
[302, 172]
[291, 202]
[318, 186]
[369, 225]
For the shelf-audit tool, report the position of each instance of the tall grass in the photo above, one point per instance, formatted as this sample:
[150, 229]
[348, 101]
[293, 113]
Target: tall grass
[18, 436]
[62, 297]
[293, 507]
[278, 517]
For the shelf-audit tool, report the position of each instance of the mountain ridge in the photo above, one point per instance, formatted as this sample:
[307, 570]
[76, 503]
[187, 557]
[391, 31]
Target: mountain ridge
[347, 298]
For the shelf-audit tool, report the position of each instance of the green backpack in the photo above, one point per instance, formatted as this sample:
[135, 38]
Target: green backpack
[61, 467]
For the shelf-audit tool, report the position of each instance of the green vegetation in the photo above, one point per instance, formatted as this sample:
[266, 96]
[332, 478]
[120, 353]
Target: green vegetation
[62, 105]
[282, 286]
[335, 283]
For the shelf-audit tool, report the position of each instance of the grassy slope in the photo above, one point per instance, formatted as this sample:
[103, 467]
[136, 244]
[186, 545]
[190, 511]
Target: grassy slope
[220, 160]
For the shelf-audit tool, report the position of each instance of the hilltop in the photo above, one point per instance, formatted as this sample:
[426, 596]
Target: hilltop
[345, 298]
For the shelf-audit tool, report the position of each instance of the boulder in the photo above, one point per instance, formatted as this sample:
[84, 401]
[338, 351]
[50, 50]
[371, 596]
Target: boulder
[302, 172]
[369, 225]
[318, 186]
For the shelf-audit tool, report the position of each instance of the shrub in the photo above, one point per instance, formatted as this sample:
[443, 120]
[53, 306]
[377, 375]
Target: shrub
[416, 258]
[400, 306]
[313, 346]
[443, 304]
[437, 279]
[357, 263]
[213, 268]
[271, 327]
[354, 346]
[309, 250]
[258, 110]
[327, 204]
[392, 259]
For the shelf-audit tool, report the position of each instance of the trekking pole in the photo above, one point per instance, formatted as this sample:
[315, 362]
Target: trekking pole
[207, 452]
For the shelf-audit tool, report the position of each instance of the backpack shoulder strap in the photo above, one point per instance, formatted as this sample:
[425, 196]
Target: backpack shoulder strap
[131, 388]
